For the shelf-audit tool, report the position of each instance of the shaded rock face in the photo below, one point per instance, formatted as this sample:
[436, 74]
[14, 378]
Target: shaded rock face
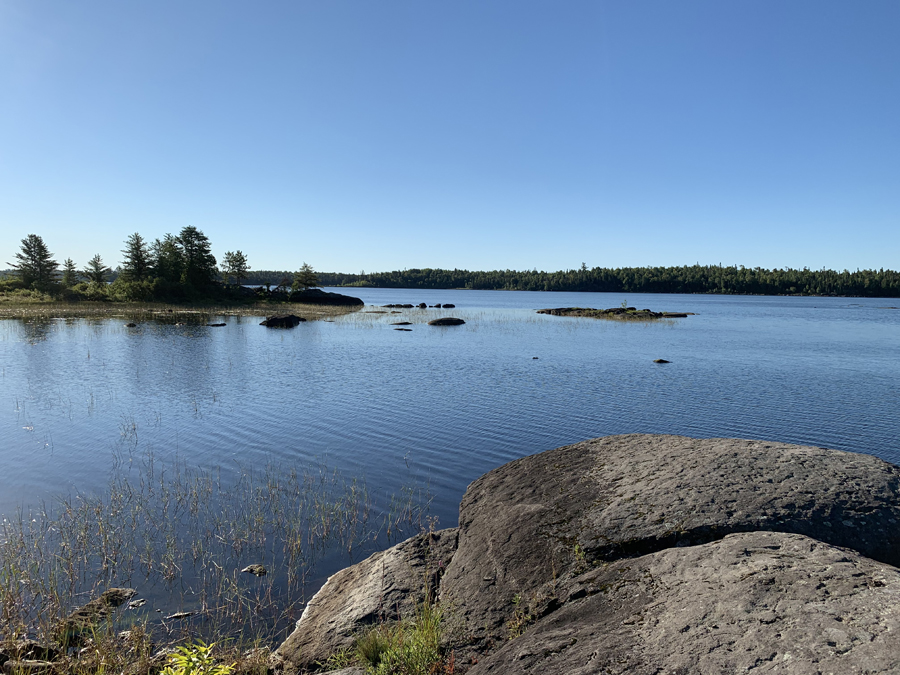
[762, 601]
[383, 587]
[282, 321]
[550, 515]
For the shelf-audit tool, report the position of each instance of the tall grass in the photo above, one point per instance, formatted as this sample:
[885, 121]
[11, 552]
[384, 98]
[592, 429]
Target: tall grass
[181, 536]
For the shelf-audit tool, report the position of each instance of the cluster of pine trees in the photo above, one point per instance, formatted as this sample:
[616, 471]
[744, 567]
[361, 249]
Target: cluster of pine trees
[173, 269]
[687, 279]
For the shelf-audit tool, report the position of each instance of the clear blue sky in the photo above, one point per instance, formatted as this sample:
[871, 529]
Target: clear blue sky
[489, 134]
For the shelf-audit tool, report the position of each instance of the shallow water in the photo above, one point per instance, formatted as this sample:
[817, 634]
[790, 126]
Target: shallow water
[439, 405]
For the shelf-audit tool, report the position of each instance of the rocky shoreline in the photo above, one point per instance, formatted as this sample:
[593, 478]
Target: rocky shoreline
[645, 554]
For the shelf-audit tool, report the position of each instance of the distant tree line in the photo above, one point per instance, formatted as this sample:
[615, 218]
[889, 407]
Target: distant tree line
[736, 280]
[172, 269]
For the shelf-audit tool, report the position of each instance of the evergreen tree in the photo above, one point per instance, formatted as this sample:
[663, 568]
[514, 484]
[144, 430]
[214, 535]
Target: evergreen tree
[70, 273]
[235, 265]
[138, 261]
[34, 264]
[96, 272]
[168, 260]
[305, 278]
[199, 263]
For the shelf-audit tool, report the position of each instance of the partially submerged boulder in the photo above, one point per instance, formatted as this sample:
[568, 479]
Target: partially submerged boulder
[282, 321]
[83, 620]
[760, 601]
[383, 587]
[446, 321]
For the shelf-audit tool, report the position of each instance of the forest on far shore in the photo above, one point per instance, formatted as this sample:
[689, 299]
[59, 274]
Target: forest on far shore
[182, 268]
[733, 280]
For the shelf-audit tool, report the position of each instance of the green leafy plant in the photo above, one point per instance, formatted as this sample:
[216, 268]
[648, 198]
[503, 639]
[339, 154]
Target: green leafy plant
[521, 618]
[196, 659]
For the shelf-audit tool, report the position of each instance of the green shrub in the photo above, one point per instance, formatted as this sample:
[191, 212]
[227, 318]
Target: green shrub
[196, 659]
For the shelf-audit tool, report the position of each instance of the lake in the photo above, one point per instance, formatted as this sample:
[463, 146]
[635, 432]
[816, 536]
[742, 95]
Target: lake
[434, 408]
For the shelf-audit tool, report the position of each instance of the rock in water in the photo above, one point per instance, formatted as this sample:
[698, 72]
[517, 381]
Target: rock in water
[316, 296]
[446, 321]
[282, 321]
[256, 569]
[83, 620]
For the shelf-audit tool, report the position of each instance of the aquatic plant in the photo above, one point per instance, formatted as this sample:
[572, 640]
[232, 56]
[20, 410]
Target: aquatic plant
[183, 535]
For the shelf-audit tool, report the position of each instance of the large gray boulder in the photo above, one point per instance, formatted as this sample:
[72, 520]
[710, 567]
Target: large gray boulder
[383, 587]
[552, 515]
[763, 602]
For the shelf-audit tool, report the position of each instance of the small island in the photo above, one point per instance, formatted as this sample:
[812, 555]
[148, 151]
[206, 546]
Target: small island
[620, 313]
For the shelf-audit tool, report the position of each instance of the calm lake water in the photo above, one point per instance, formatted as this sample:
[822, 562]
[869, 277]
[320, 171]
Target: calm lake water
[439, 406]
[442, 405]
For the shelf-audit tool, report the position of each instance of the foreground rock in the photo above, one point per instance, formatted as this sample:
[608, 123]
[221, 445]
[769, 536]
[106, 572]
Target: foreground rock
[761, 601]
[384, 587]
[316, 296]
[649, 554]
[282, 321]
[541, 517]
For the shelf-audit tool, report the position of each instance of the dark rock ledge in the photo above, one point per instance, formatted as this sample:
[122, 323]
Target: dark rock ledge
[647, 554]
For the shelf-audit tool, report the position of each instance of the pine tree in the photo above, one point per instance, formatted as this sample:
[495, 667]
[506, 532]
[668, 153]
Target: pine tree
[305, 278]
[96, 272]
[199, 262]
[138, 262]
[235, 265]
[70, 273]
[168, 259]
[35, 265]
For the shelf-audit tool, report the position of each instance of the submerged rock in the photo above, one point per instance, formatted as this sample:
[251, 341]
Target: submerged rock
[446, 321]
[256, 569]
[83, 620]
